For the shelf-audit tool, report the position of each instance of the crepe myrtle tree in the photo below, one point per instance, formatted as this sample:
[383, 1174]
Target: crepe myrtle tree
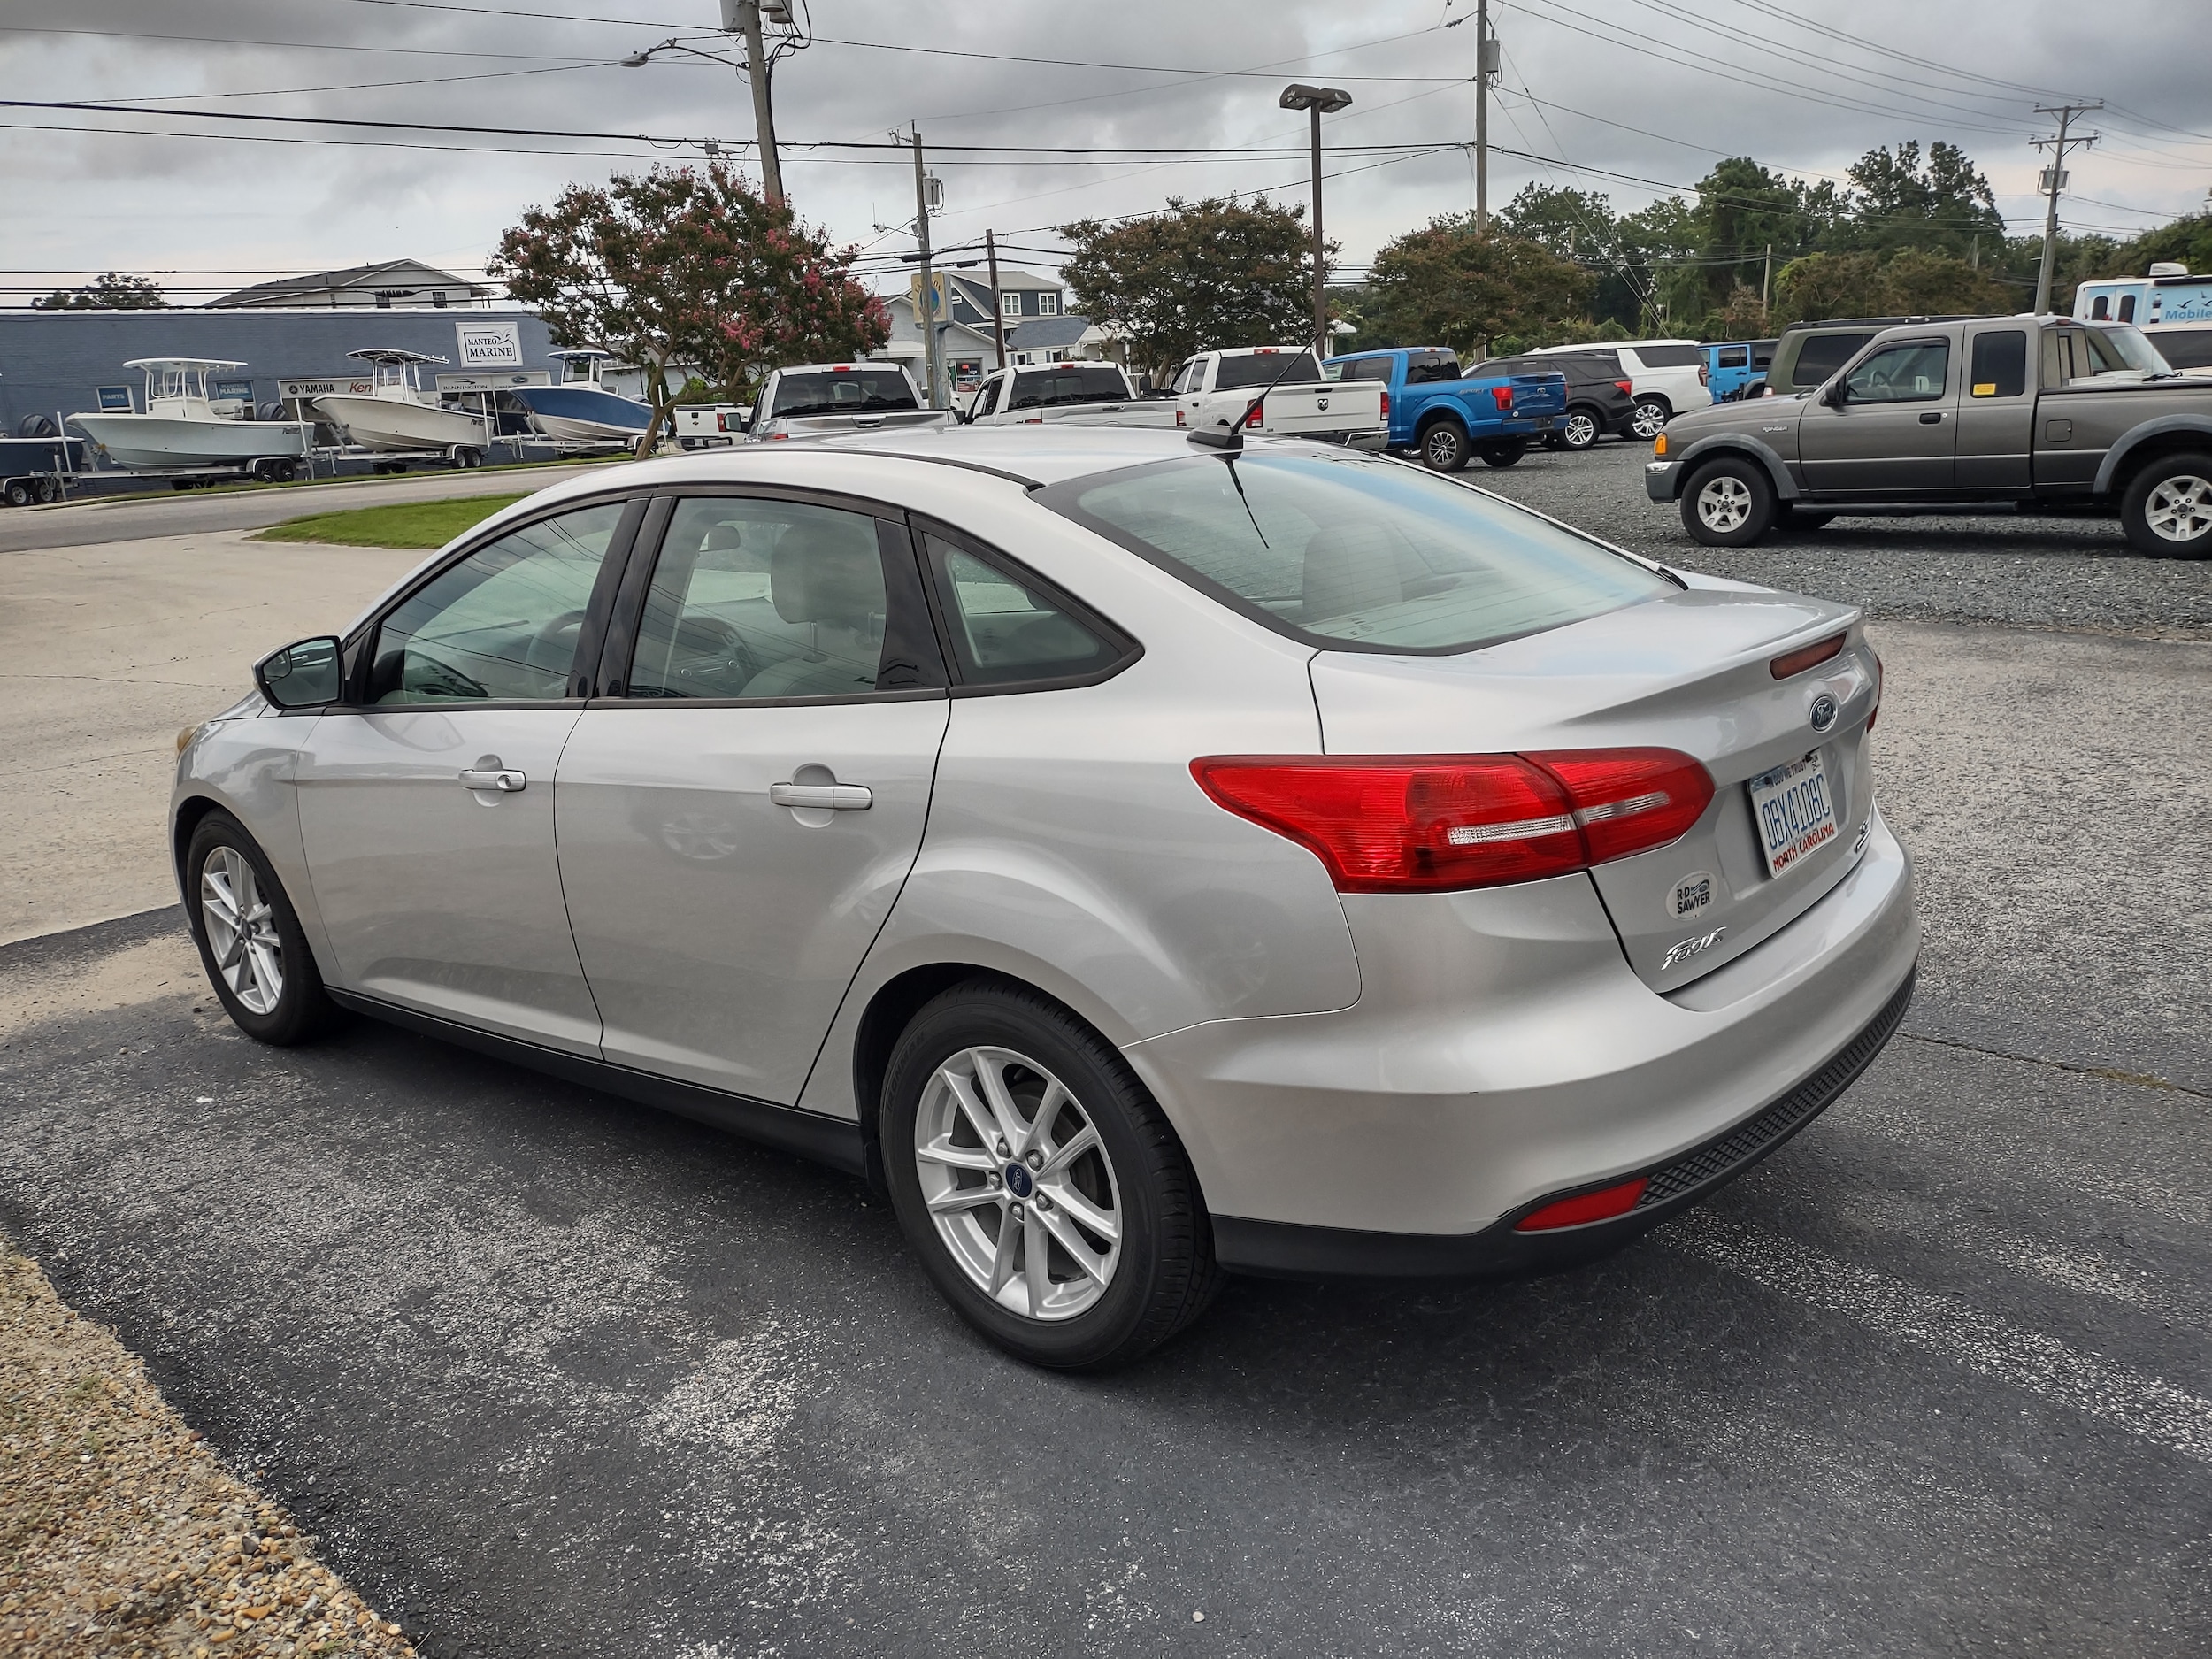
[1201, 276]
[690, 266]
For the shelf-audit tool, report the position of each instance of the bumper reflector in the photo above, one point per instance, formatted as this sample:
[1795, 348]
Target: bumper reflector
[1601, 1205]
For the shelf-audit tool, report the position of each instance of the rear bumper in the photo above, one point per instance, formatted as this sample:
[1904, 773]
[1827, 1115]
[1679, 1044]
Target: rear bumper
[1501, 1055]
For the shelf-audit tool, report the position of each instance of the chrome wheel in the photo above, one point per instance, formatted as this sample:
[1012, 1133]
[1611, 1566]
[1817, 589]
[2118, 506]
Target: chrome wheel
[241, 934]
[1724, 504]
[2179, 509]
[1580, 431]
[1444, 450]
[1018, 1184]
[1649, 419]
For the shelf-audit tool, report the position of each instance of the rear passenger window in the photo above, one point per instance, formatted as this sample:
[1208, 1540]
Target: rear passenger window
[2000, 363]
[1006, 630]
[1668, 357]
[2101, 309]
[1735, 356]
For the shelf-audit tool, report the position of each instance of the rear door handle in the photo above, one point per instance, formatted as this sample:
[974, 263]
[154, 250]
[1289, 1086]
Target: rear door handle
[503, 778]
[1931, 417]
[833, 797]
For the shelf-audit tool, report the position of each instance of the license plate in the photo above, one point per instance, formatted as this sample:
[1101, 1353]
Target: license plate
[1794, 811]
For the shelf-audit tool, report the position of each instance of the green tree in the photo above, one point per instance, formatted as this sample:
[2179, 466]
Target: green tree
[1446, 285]
[1910, 283]
[696, 268]
[2184, 241]
[1944, 205]
[109, 291]
[1201, 276]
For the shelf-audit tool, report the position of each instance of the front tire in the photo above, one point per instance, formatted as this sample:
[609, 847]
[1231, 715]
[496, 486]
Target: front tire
[1649, 417]
[1502, 454]
[1444, 447]
[249, 938]
[1580, 429]
[1048, 1198]
[2167, 508]
[1729, 503]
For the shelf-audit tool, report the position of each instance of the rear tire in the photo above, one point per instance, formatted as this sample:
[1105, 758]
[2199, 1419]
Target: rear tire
[49, 492]
[2167, 508]
[1729, 503]
[1648, 419]
[1061, 1083]
[1791, 517]
[19, 493]
[1581, 428]
[250, 943]
[1502, 454]
[1444, 447]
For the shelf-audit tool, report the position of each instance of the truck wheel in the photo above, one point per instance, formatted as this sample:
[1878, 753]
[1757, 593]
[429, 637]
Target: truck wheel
[1789, 517]
[1580, 429]
[1648, 418]
[1444, 447]
[1502, 454]
[1729, 503]
[2167, 510]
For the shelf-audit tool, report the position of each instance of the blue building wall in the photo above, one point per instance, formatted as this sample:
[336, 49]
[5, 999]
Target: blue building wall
[54, 362]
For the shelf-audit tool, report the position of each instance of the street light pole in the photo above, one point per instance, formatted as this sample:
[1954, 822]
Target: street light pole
[1317, 102]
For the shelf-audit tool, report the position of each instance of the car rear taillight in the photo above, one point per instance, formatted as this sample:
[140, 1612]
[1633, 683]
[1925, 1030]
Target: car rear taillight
[1440, 823]
[1805, 657]
[1874, 713]
[1503, 397]
[1704, 375]
[1258, 414]
[1584, 1207]
[1385, 404]
[1628, 388]
[1179, 418]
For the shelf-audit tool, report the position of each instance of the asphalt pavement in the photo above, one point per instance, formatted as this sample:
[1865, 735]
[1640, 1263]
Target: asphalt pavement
[553, 1374]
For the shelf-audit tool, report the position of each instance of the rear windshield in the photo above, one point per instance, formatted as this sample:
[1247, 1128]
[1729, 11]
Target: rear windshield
[1236, 374]
[1052, 388]
[1353, 552]
[843, 392]
[1823, 355]
[1667, 357]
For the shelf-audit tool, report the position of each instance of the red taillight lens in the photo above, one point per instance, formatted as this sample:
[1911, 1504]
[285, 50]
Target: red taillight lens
[1874, 713]
[1440, 823]
[1704, 375]
[1503, 397]
[1807, 656]
[1385, 404]
[1603, 1205]
[1179, 418]
[1628, 388]
[1256, 416]
[1629, 800]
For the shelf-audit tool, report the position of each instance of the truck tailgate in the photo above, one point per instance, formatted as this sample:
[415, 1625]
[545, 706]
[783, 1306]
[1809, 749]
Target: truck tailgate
[1331, 407]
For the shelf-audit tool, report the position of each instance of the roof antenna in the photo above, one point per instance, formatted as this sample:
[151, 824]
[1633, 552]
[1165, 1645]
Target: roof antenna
[1233, 440]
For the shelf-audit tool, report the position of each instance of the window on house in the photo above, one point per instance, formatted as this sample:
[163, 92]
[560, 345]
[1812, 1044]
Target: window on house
[1047, 304]
[1010, 305]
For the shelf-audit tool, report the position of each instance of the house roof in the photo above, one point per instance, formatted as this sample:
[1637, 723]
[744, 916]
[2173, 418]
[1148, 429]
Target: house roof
[1046, 334]
[360, 276]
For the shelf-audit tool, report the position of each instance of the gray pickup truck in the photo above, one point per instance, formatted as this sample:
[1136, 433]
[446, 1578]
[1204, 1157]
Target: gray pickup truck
[2036, 412]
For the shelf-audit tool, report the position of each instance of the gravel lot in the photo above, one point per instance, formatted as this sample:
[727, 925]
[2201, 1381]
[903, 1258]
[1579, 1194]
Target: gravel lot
[2034, 572]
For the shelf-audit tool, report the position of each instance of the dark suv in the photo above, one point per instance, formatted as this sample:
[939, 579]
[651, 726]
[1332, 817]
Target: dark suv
[1809, 353]
[1598, 389]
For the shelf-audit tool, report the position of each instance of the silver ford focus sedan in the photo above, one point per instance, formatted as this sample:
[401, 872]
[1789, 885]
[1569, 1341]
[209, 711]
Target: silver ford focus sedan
[1141, 860]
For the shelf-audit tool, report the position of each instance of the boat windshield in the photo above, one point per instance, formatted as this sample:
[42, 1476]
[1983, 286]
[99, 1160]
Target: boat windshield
[843, 392]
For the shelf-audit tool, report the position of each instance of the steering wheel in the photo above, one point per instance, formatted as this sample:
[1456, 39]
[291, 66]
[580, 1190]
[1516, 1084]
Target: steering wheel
[552, 648]
[708, 651]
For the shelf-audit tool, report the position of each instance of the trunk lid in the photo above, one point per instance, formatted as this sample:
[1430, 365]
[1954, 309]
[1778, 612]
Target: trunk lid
[1687, 671]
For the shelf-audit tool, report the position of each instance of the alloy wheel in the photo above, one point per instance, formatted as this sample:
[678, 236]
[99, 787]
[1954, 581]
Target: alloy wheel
[1580, 431]
[241, 933]
[1018, 1184]
[1651, 418]
[1724, 504]
[1442, 449]
[2179, 509]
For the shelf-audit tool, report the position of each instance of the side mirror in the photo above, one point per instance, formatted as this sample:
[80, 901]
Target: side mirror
[306, 675]
[1837, 395]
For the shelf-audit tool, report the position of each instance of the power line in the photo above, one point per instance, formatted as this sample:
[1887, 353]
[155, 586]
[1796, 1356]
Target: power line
[301, 46]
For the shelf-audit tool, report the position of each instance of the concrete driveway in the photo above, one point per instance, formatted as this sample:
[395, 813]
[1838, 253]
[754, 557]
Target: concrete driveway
[555, 1375]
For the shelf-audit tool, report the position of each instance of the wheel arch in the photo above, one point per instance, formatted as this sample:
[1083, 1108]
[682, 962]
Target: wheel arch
[1701, 453]
[1437, 415]
[2141, 446]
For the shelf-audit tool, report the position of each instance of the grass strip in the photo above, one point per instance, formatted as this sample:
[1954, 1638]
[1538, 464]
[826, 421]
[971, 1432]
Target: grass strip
[423, 524]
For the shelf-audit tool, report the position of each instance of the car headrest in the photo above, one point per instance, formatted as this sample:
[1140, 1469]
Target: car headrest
[817, 575]
[1350, 568]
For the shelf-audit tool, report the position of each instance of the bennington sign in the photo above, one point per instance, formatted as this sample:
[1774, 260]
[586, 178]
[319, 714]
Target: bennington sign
[489, 345]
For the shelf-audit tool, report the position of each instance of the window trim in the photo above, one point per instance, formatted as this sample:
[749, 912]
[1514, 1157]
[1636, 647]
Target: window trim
[1048, 304]
[620, 644]
[359, 643]
[921, 524]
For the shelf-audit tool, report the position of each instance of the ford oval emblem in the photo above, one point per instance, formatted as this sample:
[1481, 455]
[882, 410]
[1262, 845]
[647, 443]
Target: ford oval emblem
[1824, 712]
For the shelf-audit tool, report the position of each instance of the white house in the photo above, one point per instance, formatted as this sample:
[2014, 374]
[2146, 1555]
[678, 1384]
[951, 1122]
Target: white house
[1033, 308]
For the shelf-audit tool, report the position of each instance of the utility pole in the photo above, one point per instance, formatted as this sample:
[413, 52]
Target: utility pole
[742, 17]
[1766, 284]
[2054, 180]
[1487, 63]
[926, 310]
[998, 306]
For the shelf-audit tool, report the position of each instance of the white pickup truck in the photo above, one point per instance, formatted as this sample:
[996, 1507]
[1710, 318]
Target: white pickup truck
[710, 426]
[1214, 390]
[818, 399]
[1040, 394]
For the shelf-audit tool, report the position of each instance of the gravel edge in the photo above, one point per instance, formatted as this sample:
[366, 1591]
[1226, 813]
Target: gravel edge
[122, 1532]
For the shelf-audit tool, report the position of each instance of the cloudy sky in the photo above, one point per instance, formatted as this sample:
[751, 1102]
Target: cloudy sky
[1650, 90]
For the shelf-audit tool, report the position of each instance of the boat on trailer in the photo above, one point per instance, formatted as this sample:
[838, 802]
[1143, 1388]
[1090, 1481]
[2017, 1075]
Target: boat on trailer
[397, 414]
[183, 426]
[580, 410]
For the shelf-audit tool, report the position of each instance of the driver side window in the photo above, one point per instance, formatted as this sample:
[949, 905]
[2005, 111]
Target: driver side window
[1910, 374]
[502, 624]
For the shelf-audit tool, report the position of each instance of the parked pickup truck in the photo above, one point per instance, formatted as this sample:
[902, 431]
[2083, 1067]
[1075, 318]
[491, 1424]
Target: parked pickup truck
[710, 425]
[1088, 394]
[1446, 416]
[1215, 388]
[2032, 411]
[821, 398]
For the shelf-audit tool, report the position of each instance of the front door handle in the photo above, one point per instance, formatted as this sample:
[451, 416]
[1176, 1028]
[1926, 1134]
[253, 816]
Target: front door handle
[833, 797]
[505, 779]
[1931, 417]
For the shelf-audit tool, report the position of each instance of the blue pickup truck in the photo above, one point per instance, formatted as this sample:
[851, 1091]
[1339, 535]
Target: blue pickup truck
[1448, 419]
